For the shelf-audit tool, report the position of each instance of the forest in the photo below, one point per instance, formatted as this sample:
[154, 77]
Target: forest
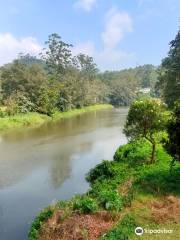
[59, 81]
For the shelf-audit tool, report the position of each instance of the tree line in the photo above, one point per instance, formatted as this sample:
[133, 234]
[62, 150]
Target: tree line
[57, 80]
[148, 117]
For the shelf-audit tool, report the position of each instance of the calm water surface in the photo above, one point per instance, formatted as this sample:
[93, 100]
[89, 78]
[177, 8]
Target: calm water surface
[40, 166]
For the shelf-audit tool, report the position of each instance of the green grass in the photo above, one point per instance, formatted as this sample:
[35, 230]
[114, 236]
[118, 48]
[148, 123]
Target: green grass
[75, 112]
[110, 190]
[22, 120]
[36, 119]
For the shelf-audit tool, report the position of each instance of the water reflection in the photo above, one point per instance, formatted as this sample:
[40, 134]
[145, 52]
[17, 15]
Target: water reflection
[50, 162]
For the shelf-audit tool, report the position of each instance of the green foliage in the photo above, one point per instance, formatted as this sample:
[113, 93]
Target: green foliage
[104, 170]
[145, 119]
[173, 129]
[157, 178]
[121, 94]
[86, 65]
[22, 120]
[122, 230]
[57, 55]
[168, 83]
[3, 113]
[22, 78]
[110, 200]
[85, 204]
[36, 225]
[48, 99]
[36, 119]
[124, 86]
[18, 103]
[146, 179]
[134, 153]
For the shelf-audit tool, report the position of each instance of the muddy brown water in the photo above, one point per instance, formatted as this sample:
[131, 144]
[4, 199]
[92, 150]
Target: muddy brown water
[42, 165]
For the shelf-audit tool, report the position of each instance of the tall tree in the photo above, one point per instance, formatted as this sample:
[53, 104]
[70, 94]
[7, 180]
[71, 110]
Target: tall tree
[145, 119]
[57, 55]
[173, 129]
[86, 65]
[169, 76]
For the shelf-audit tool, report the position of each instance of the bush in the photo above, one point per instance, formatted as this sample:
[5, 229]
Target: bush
[158, 179]
[134, 153]
[104, 170]
[18, 103]
[85, 204]
[3, 112]
[36, 225]
[110, 200]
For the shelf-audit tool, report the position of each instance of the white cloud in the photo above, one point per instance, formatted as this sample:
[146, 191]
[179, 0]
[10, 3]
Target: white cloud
[86, 5]
[114, 59]
[87, 48]
[10, 47]
[117, 25]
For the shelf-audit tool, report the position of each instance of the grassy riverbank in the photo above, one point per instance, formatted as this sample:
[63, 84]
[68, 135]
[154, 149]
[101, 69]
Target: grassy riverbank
[117, 202]
[36, 119]
[74, 112]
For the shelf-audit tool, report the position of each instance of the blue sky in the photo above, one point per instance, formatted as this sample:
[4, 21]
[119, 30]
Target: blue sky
[117, 33]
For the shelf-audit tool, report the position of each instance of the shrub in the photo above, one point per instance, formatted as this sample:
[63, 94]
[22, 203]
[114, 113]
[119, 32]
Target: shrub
[134, 153]
[18, 103]
[85, 204]
[3, 113]
[110, 200]
[105, 170]
[38, 221]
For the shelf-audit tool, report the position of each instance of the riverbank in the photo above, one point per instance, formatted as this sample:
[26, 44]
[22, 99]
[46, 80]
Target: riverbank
[117, 202]
[37, 119]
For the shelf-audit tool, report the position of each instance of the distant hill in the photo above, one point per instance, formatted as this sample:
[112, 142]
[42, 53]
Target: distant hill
[145, 75]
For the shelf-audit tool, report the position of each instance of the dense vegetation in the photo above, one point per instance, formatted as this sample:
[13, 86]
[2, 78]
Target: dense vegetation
[112, 190]
[59, 81]
[168, 85]
[148, 195]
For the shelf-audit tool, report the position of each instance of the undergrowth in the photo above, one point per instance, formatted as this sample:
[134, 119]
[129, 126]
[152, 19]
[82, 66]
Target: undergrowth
[109, 192]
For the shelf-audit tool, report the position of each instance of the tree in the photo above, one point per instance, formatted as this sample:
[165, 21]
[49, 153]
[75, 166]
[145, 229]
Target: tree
[169, 75]
[48, 99]
[123, 91]
[173, 129]
[145, 119]
[86, 65]
[58, 55]
[30, 60]
[21, 85]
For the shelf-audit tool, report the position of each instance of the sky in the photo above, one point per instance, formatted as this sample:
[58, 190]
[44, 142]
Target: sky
[116, 33]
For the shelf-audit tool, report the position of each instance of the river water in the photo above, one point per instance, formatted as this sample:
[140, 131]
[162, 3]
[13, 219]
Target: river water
[42, 165]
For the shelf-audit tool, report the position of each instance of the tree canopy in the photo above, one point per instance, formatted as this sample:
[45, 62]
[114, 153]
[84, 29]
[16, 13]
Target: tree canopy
[169, 73]
[146, 118]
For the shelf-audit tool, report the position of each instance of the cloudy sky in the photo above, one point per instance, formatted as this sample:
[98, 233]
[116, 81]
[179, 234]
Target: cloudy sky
[117, 33]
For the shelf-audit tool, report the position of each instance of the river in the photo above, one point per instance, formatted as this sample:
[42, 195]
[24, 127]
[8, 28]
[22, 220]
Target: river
[42, 165]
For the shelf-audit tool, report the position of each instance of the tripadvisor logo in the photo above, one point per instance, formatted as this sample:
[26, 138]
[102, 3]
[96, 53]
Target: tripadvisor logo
[139, 231]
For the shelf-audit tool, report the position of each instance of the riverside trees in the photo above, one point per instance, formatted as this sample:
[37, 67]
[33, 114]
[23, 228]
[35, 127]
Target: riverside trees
[169, 74]
[57, 81]
[61, 81]
[145, 119]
